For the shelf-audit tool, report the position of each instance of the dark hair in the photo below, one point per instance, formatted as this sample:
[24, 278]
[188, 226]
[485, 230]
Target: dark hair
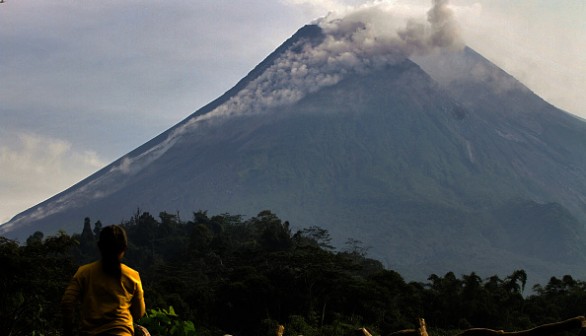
[113, 241]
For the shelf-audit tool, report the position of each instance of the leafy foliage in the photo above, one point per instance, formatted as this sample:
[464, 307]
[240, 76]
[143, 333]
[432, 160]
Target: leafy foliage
[225, 274]
[166, 322]
[32, 281]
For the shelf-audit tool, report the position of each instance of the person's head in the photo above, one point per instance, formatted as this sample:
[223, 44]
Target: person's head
[112, 244]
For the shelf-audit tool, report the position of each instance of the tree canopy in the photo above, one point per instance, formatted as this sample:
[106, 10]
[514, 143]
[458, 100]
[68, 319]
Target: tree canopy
[226, 274]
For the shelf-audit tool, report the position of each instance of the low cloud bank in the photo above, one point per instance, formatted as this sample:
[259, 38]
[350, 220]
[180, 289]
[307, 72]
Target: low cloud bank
[36, 167]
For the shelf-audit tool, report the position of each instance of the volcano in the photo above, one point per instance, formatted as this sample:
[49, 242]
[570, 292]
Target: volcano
[436, 161]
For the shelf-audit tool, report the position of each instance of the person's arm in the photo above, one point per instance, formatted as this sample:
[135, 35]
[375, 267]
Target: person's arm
[138, 308]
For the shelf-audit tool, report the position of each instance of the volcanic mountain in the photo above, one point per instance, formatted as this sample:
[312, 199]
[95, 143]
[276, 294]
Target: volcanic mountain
[437, 161]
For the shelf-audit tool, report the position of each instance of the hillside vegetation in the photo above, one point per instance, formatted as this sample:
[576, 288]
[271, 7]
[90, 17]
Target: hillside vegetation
[224, 274]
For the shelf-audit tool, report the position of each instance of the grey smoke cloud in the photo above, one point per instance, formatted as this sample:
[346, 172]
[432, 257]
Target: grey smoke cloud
[444, 29]
[359, 41]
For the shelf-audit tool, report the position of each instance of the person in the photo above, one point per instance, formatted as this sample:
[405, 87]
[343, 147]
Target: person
[110, 293]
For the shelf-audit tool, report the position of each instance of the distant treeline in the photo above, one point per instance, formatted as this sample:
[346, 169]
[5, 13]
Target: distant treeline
[230, 275]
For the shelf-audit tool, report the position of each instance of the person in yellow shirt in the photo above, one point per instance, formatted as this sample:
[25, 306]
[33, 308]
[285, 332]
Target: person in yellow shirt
[110, 293]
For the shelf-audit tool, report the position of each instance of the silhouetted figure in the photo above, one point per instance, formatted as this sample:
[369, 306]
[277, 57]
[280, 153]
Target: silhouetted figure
[110, 293]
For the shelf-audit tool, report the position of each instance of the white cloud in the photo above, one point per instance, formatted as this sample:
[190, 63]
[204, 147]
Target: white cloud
[35, 168]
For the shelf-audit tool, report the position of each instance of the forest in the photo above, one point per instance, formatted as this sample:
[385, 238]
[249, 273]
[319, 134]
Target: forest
[224, 274]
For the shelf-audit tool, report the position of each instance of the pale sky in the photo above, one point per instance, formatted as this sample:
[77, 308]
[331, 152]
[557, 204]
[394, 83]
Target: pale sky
[84, 82]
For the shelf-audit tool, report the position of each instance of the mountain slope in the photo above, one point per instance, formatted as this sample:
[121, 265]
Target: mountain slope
[430, 163]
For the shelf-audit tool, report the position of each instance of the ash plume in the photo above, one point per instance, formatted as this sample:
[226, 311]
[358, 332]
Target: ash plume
[362, 40]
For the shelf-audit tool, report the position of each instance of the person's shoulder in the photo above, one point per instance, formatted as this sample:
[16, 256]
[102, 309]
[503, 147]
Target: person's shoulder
[128, 270]
[88, 267]
[85, 270]
[130, 274]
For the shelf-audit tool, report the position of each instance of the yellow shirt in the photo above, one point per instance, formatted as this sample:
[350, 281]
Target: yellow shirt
[107, 304]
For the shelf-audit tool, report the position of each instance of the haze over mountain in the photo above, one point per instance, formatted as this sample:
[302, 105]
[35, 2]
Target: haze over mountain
[391, 133]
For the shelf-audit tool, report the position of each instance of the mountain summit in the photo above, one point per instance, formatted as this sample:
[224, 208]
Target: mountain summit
[411, 143]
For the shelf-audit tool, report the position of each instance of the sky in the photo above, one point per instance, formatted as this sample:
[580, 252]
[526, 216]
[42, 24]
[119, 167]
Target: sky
[83, 83]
